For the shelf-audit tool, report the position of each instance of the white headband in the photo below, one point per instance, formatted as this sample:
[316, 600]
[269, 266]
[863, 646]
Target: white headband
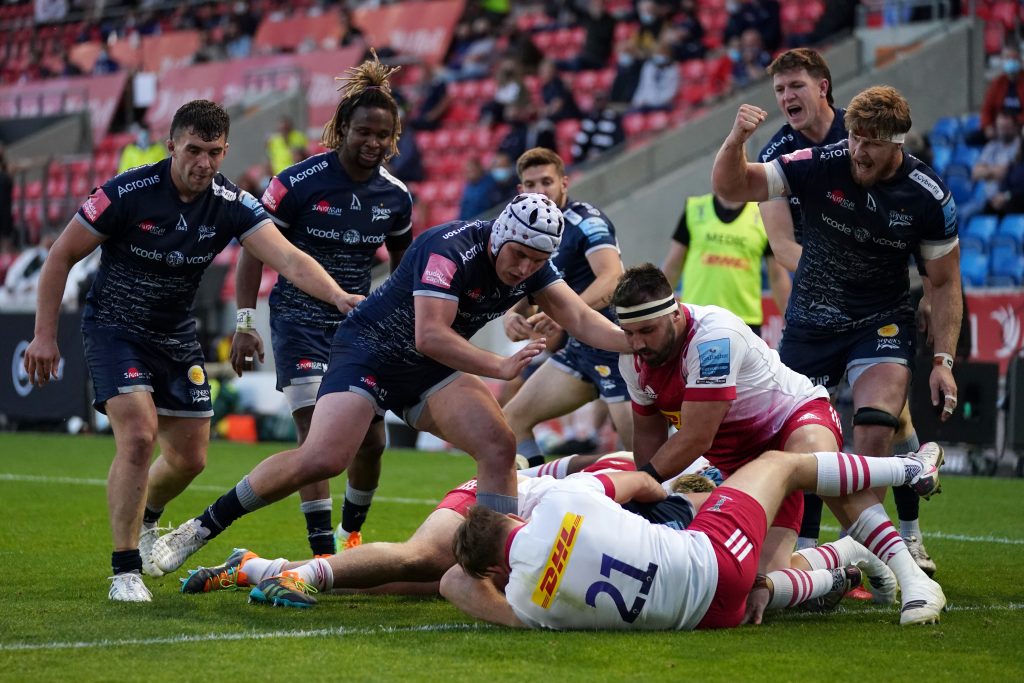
[646, 310]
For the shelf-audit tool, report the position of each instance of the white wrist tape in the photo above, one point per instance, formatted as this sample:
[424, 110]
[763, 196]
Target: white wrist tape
[245, 320]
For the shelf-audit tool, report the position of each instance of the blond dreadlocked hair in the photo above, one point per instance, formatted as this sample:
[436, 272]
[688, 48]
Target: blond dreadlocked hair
[366, 85]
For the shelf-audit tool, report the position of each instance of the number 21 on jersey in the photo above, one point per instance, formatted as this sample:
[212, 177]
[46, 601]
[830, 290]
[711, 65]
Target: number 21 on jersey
[645, 577]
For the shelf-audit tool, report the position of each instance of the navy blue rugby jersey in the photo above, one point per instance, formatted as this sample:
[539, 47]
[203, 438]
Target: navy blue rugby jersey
[156, 247]
[451, 261]
[857, 240]
[787, 140]
[587, 229]
[339, 222]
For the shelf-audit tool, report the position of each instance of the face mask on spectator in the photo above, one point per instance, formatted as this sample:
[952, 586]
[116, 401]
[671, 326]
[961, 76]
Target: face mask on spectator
[501, 174]
[1011, 66]
[625, 59]
[660, 60]
[734, 54]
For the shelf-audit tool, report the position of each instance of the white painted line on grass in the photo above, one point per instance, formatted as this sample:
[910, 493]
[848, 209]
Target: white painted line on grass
[342, 631]
[80, 481]
[233, 636]
[957, 537]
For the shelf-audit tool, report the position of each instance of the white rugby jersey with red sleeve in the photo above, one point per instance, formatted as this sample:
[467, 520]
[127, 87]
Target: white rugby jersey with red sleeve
[722, 360]
[582, 562]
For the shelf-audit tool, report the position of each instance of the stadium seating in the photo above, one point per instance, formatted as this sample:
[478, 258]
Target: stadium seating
[982, 228]
[946, 132]
[1013, 225]
[974, 267]
[961, 187]
[1005, 260]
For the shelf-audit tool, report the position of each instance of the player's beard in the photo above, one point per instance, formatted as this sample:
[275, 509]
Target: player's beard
[661, 356]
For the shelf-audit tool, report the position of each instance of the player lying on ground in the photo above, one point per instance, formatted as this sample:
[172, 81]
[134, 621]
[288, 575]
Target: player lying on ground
[417, 565]
[581, 562]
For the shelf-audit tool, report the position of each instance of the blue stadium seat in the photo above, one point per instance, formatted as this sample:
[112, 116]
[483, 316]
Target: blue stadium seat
[962, 188]
[970, 123]
[974, 268]
[968, 243]
[956, 170]
[1001, 281]
[965, 155]
[1013, 224]
[1005, 259]
[946, 130]
[941, 156]
[982, 227]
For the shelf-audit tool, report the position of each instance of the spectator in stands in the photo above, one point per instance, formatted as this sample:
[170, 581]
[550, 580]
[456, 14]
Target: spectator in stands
[520, 48]
[474, 50]
[1004, 93]
[478, 191]
[600, 130]
[628, 64]
[8, 255]
[599, 28]
[142, 150]
[407, 164]
[67, 67]
[761, 15]
[651, 19]
[237, 45]
[503, 173]
[105, 64]
[749, 58]
[687, 33]
[350, 33]
[510, 91]
[659, 81]
[6, 198]
[434, 103]
[286, 146]
[1010, 197]
[211, 47]
[526, 130]
[997, 155]
[558, 101]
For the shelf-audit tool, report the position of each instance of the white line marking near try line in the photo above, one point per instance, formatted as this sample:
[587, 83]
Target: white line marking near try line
[341, 631]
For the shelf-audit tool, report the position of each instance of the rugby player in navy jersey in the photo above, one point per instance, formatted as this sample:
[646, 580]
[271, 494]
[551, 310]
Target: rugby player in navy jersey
[867, 206]
[159, 226]
[406, 349]
[589, 261]
[803, 91]
[338, 207]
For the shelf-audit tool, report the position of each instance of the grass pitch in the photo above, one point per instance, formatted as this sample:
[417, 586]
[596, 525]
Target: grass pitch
[57, 624]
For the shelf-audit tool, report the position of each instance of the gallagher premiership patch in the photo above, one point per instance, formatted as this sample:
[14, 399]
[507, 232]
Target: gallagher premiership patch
[714, 358]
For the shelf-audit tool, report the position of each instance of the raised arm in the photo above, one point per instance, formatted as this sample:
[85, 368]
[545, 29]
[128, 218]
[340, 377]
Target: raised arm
[733, 177]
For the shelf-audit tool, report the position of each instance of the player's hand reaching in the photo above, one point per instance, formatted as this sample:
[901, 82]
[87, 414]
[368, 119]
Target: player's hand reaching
[748, 118]
[517, 328]
[42, 360]
[514, 364]
[245, 346]
[346, 302]
[543, 325]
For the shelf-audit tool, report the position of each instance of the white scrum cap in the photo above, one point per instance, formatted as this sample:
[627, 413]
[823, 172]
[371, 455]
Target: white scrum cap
[530, 219]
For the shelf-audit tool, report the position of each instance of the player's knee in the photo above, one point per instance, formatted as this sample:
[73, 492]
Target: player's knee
[136, 444]
[499, 450]
[868, 416]
[192, 465]
[318, 464]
